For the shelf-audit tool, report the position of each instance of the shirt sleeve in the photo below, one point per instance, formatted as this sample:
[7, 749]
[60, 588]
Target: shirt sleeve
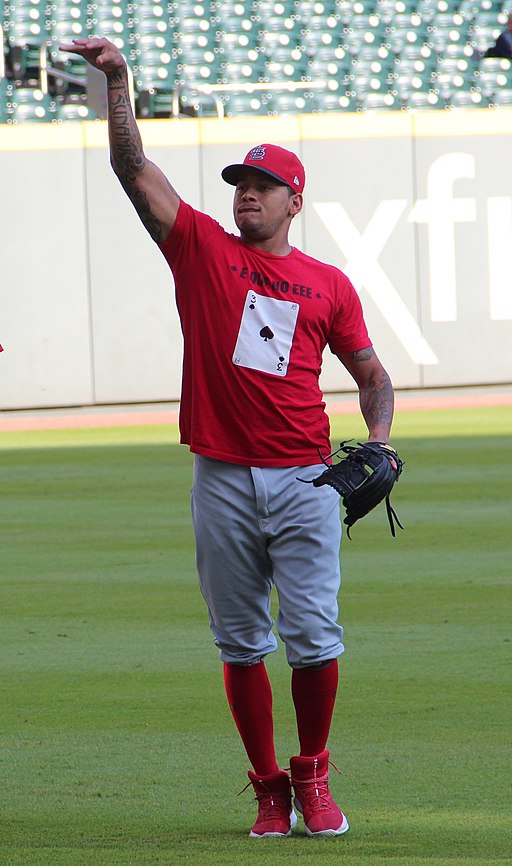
[188, 236]
[348, 332]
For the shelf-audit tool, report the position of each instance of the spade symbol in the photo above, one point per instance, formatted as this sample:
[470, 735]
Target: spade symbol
[266, 333]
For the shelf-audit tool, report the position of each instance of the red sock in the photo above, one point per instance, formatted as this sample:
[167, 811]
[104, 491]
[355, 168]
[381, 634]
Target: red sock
[314, 695]
[250, 700]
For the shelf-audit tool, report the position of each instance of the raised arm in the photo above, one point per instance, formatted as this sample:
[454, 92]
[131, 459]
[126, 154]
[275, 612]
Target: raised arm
[153, 197]
[376, 396]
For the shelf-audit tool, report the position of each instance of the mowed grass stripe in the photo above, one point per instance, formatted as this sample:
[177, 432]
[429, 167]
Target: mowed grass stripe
[117, 746]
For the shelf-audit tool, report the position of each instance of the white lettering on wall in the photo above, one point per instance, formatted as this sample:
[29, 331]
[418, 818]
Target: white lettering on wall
[499, 231]
[362, 252]
[440, 211]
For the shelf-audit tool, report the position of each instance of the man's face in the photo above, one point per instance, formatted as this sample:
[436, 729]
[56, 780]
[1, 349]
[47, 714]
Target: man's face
[262, 206]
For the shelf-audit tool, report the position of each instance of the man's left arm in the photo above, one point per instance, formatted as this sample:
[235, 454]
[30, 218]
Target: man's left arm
[376, 395]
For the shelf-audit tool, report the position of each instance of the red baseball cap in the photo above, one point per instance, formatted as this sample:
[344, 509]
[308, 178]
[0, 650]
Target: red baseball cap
[279, 163]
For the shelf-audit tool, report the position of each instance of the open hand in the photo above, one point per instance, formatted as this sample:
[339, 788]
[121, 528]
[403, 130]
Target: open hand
[99, 52]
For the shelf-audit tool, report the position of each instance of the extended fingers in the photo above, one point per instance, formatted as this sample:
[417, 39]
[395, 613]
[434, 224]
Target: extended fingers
[92, 43]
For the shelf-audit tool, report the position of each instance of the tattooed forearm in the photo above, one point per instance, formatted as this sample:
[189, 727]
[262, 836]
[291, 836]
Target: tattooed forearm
[126, 152]
[127, 155]
[376, 397]
[377, 402]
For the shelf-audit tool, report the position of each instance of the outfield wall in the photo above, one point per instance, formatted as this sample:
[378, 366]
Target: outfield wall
[415, 207]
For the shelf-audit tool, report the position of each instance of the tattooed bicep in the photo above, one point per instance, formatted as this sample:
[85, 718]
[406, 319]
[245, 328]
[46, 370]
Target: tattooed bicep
[363, 354]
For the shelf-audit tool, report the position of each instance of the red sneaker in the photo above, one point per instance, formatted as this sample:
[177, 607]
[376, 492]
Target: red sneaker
[275, 811]
[310, 780]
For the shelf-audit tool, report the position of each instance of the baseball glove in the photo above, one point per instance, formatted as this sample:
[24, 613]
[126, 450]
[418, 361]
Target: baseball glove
[363, 479]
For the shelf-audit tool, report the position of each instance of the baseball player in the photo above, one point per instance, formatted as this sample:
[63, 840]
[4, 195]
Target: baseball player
[256, 315]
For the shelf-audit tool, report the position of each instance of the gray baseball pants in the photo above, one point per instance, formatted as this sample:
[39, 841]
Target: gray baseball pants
[259, 527]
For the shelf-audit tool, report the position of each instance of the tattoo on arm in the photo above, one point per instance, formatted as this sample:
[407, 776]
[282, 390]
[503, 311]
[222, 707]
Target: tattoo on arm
[376, 397]
[363, 354]
[127, 155]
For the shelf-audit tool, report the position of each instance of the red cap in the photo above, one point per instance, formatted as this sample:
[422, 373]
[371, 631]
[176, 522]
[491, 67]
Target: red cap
[279, 163]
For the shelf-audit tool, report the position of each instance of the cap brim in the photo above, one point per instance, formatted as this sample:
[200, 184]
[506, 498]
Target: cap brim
[231, 174]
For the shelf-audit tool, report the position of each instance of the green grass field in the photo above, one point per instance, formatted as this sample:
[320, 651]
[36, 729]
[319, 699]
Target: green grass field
[117, 747]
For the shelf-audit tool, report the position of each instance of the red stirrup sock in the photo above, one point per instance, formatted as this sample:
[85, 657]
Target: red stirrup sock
[249, 694]
[314, 695]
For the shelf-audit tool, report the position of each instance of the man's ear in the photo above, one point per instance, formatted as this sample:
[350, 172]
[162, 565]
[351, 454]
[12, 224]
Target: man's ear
[295, 203]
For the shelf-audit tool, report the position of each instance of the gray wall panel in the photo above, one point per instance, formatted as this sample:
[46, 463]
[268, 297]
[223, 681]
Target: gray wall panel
[416, 207]
[44, 321]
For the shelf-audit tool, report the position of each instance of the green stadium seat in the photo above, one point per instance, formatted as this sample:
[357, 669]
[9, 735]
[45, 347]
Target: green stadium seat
[380, 102]
[157, 70]
[239, 104]
[423, 100]
[283, 70]
[31, 105]
[25, 22]
[196, 104]
[241, 71]
[70, 23]
[467, 99]
[323, 70]
[494, 74]
[369, 76]
[200, 68]
[6, 88]
[281, 24]
[231, 42]
[503, 97]
[273, 8]
[288, 102]
[406, 83]
[73, 111]
[313, 41]
[325, 102]
[418, 51]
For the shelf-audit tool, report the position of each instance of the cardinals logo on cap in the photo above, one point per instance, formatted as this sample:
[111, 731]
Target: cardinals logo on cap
[257, 152]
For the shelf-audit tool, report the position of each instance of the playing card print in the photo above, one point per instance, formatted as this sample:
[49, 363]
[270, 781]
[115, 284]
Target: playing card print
[266, 334]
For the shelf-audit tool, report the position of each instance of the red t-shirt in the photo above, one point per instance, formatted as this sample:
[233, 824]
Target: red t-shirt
[255, 326]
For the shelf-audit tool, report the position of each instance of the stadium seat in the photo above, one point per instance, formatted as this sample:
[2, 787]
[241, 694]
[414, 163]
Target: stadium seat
[503, 97]
[201, 67]
[323, 70]
[5, 99]
[371, 53]
[285, 102]
[369, 76]
[283, 70]
[31, 105]
[157, 70]
[26, 29]
[423, 100]
[494, 74]
[467, 99]
[197, 104]
[70, 23]
[237, 104]
[380, 102]
[73, 111]
[454, 74]
[324, 102]
[246, 71]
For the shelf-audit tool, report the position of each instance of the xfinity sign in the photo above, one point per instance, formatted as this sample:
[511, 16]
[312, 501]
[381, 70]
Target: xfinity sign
[441, 214]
